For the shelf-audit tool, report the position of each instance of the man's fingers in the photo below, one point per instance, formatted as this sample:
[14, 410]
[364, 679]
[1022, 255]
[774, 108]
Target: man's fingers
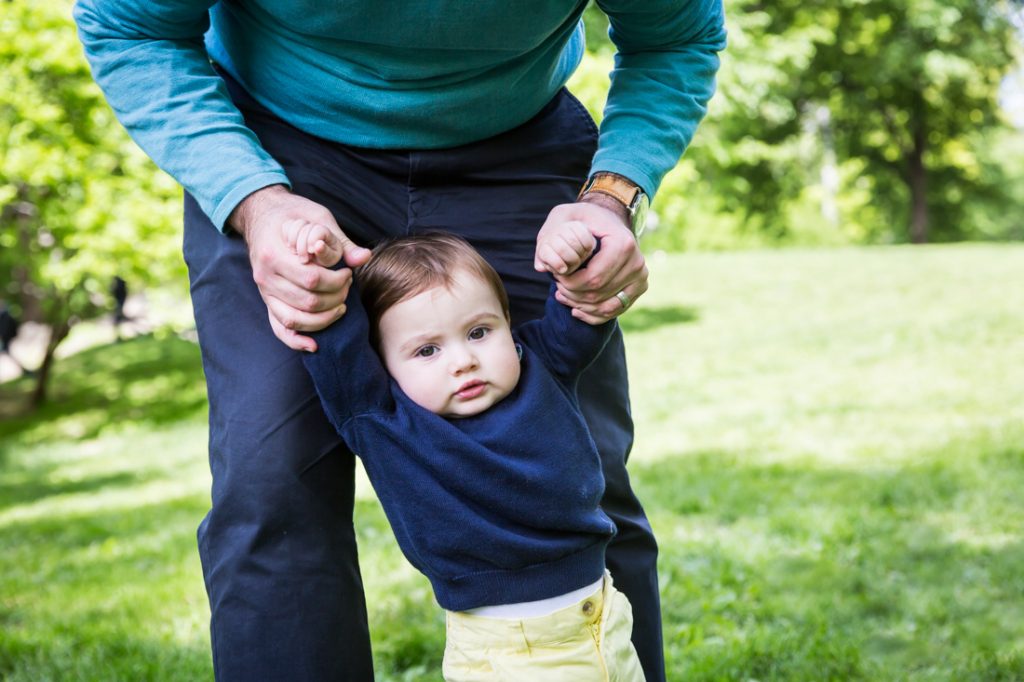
[299, 320]
[287, 236]
[353, 254]
[597, 281]
[604, 277]
[589, 319]
[607, 308]
[291, 338]
[306, 301]
[314, 278]
[308, 288]
[600, 312]
[290, 231]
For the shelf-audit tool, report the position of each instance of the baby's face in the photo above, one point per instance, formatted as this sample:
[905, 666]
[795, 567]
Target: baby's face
[451, 349]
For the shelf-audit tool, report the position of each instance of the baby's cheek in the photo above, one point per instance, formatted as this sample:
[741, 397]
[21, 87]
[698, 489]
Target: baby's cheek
[421, 390]
[425, 396]
[514, 370]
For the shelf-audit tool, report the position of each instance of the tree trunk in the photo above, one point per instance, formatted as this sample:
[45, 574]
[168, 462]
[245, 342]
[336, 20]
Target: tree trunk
[829, 173]
[917, 176]
[58, 332]
[23, 214]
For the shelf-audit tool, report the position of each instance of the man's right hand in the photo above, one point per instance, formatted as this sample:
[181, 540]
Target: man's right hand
[300, 296]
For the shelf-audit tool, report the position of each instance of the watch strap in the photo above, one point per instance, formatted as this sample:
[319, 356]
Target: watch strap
[615, 186]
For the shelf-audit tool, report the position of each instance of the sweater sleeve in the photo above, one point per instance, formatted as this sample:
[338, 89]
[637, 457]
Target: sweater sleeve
[566, 345]
[348, 374]
[150, 61]
[664, 76]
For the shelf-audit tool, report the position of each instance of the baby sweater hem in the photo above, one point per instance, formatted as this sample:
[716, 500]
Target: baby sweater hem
[530, 583]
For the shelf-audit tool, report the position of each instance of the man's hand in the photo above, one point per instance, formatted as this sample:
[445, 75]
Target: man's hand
[619, 266]
[301, 295]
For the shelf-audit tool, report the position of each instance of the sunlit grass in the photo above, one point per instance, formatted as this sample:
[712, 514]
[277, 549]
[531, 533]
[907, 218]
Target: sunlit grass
[832, 355]
[100, 578]
[829, 447]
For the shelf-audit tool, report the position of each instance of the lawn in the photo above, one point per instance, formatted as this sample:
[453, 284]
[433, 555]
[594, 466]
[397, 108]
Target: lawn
[830, 446]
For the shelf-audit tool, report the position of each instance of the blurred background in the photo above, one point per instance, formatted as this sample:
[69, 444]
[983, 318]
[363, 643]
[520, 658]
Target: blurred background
[826, 372]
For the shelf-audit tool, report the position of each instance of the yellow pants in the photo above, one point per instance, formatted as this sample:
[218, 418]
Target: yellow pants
[586, 642]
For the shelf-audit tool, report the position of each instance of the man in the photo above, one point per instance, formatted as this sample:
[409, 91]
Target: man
[377, 119]
[9, 325]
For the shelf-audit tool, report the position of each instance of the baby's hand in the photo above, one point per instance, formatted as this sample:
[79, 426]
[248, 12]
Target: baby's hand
[563, 247]
[313, 242]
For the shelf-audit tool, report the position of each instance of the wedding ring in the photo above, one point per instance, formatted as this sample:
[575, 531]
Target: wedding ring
[624, 299]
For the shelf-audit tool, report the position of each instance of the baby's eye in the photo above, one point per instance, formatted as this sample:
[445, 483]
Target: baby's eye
[426, 351]
[477, 333]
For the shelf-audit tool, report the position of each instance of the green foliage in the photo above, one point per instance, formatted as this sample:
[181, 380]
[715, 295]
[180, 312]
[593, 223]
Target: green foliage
[927, 79]
[897, 99]
[596, 24]
[80, 203]
[828, 447]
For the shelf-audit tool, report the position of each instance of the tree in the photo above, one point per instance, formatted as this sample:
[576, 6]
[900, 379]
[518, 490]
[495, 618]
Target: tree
[928, 77]
[79, 203]
[908, 88]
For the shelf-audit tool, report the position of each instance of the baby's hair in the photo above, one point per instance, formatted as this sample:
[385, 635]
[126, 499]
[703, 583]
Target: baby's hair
[405, 266]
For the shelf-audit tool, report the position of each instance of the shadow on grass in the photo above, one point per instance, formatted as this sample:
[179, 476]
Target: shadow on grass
[145, 380]
[103, 593]
[19, 489]
[643, 319]
[801, 572]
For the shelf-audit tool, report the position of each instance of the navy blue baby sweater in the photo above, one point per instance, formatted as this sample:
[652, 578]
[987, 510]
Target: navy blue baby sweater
[497, 508]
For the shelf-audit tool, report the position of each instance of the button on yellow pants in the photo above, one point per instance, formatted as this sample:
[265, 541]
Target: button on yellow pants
[586, 642]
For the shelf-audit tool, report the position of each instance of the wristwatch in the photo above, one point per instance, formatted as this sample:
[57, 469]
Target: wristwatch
[626, 192]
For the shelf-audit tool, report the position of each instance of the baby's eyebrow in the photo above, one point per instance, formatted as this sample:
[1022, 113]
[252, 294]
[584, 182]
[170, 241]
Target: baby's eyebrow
[480, 317]
[417, 341]
[414, 342]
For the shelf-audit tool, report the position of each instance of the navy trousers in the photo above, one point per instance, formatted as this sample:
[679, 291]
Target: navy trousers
[278, 547]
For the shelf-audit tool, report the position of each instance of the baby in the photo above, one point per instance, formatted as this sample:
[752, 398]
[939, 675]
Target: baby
[471, 434]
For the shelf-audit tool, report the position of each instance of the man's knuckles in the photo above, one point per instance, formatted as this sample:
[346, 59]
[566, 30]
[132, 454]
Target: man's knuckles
[310, 279]
[310, 303]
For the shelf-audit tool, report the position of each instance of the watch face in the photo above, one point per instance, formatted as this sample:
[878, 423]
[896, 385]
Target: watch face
[641, 205]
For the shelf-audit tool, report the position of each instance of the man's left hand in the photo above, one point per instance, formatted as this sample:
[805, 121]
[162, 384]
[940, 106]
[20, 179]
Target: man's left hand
[616, 276]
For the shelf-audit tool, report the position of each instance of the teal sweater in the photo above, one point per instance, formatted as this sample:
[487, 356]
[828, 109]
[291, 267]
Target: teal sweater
[398, 74]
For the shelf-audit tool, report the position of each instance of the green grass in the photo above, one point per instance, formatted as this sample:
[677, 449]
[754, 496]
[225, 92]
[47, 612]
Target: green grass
[830, 447]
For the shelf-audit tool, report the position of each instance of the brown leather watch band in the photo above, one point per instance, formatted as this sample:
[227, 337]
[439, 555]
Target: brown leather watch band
[624, 191]
[615, 186]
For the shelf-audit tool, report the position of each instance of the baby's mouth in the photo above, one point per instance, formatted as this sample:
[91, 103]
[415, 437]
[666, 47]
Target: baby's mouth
[470, 389]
